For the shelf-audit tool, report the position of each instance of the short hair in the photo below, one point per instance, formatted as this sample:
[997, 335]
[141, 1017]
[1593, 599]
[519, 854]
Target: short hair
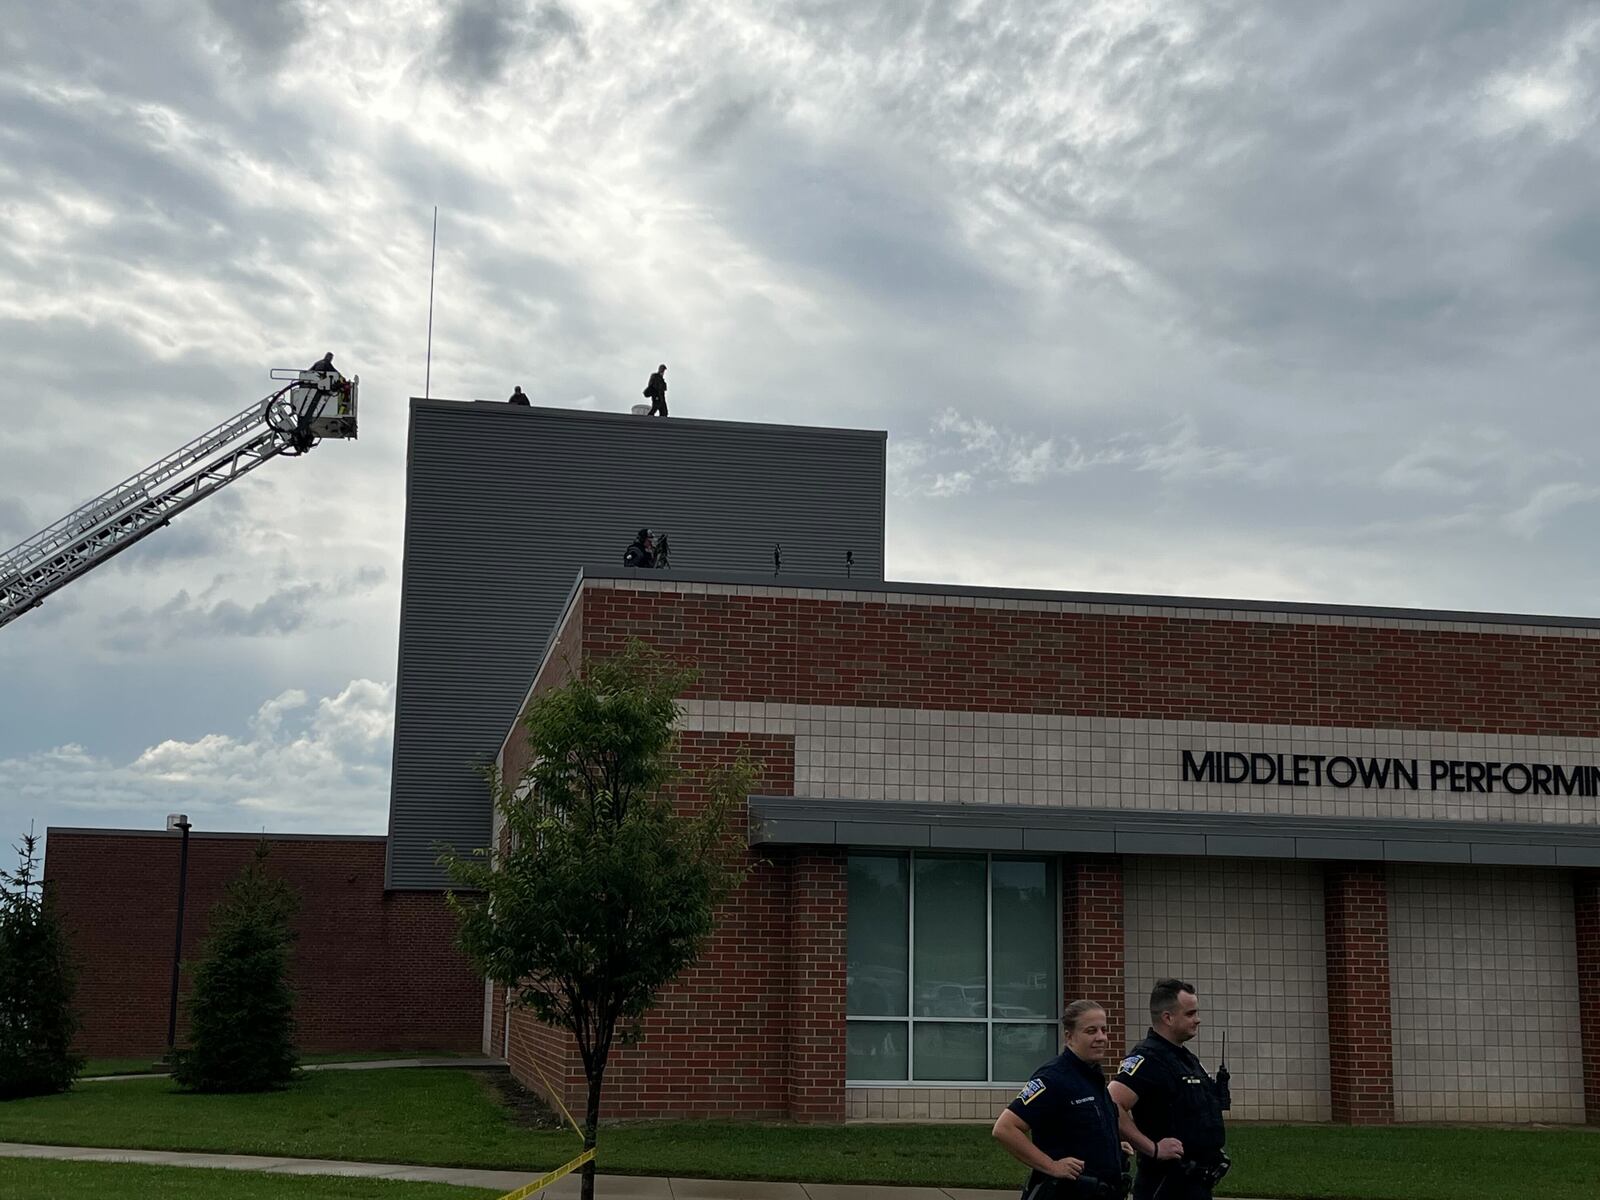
[662, 367]
[1164, 997]
[1078, 1009]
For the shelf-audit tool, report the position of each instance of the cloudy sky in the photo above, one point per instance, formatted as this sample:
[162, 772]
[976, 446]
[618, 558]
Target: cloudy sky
[1276, 301]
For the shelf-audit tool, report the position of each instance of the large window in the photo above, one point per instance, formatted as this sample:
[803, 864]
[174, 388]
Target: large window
[952, 973]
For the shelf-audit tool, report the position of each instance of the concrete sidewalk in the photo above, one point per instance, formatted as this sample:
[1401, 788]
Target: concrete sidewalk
[611, 1187]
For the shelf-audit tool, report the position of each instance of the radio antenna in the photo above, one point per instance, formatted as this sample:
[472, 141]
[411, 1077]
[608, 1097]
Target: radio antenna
[433, 258]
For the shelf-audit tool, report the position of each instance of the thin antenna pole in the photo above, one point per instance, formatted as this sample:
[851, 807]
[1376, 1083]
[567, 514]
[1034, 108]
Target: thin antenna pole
[433, 258]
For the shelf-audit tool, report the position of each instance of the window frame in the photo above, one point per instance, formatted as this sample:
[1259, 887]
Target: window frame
[910, 1020]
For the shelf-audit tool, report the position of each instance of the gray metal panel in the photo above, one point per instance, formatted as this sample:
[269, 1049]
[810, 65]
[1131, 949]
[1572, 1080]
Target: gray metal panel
[1141, 831]
[1407, 850]
[876, 833]
[1160, 843]
[792, 832]
[504, 506]
[1231, 846]
[974, 837]
[1070, 841]
[1503, 854]
[1349, 849]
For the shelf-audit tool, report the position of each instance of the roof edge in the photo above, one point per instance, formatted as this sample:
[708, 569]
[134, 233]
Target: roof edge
[442, 404]
[600, 573]
[214, 834]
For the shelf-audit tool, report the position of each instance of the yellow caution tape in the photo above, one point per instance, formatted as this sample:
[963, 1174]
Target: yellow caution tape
[545, 1181]
[556, 1096]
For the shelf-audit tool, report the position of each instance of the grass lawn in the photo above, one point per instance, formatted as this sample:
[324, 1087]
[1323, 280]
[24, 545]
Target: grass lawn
[141, 1066]
[43, 1179]
[451, 1118]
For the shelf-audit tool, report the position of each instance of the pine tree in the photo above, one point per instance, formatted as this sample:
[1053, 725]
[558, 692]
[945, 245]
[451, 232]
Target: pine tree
[241, 1008]
[37, 1021]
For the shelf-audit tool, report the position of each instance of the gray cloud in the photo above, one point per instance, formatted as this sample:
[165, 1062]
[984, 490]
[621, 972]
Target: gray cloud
[286, 610]
[1215, 299]
[264, 29]
[481, 39]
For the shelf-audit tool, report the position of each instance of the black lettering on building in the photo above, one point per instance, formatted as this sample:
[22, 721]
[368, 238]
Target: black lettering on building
[1235, 767]
[1204, 771]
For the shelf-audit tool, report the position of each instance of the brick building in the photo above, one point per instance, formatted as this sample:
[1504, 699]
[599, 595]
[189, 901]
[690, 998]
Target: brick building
[1370, 837]
[372, 969]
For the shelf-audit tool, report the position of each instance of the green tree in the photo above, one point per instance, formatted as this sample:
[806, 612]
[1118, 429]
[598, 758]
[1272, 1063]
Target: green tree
[607, 891]
[241, 1008]
[37, 1021]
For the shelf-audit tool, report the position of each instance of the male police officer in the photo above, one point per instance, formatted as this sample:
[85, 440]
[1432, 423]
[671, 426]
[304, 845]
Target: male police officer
[1171, 1112]
[1063, 1125]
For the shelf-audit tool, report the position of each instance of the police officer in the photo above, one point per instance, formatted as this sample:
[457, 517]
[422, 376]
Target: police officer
[1063, 1124]
[1171, 1112]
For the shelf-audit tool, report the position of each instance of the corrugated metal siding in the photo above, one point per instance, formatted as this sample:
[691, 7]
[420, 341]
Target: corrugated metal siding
[503, 507]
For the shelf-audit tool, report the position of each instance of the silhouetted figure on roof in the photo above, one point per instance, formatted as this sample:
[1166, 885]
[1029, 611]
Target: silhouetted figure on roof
[517, 397]
[641, 552]
[324, 365]
[656, 389]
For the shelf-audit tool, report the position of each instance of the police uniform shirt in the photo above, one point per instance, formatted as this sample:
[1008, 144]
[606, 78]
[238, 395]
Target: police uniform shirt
[1176, 1097]
[1071, 1115]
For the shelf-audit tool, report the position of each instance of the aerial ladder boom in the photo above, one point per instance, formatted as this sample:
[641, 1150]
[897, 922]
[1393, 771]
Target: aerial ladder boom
[310, 406]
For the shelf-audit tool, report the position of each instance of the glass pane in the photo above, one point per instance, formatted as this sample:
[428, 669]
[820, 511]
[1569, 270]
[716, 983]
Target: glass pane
[1025, 979]
[879, 908]
[950, 959]
[875, 1050]
[1018, 1049]
[947, 1051]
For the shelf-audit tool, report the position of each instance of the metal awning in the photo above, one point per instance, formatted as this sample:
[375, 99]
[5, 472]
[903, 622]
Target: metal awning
[808, 821]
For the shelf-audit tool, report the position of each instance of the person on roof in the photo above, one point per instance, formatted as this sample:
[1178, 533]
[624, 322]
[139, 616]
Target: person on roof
[517, 397]
[656, 389]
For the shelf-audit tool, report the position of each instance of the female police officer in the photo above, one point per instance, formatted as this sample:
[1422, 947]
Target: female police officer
[1074, 1147]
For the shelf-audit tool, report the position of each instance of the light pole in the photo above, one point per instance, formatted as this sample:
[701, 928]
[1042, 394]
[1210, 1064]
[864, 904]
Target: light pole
[177, 821]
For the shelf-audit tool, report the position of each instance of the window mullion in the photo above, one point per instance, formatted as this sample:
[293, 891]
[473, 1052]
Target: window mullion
[911, 965]
[988, 980]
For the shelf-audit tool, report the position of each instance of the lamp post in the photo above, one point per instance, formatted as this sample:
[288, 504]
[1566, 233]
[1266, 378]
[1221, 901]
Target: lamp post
[177, 821]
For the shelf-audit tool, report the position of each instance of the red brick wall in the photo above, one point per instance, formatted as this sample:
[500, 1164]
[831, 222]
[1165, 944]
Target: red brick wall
[1093, 944]
[564, 661]
[717, 1043]
[817, 961]
[815, 651]
[373, 971]
[1586, 887]
[1360, 1034]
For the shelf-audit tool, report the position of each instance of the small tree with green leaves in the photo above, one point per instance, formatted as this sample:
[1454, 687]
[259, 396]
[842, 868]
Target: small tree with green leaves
[241, 1008]
[37, 1021]
[606, 891]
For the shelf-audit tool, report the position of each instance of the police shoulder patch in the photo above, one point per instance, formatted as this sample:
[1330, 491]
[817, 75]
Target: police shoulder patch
[1031, 1091]
[1131, 1064]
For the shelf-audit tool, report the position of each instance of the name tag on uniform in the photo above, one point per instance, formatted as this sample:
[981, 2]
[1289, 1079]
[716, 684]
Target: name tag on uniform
[1031, 1091]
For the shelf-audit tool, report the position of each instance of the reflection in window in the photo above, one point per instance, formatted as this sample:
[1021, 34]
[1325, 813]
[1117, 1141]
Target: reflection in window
[952, 973]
